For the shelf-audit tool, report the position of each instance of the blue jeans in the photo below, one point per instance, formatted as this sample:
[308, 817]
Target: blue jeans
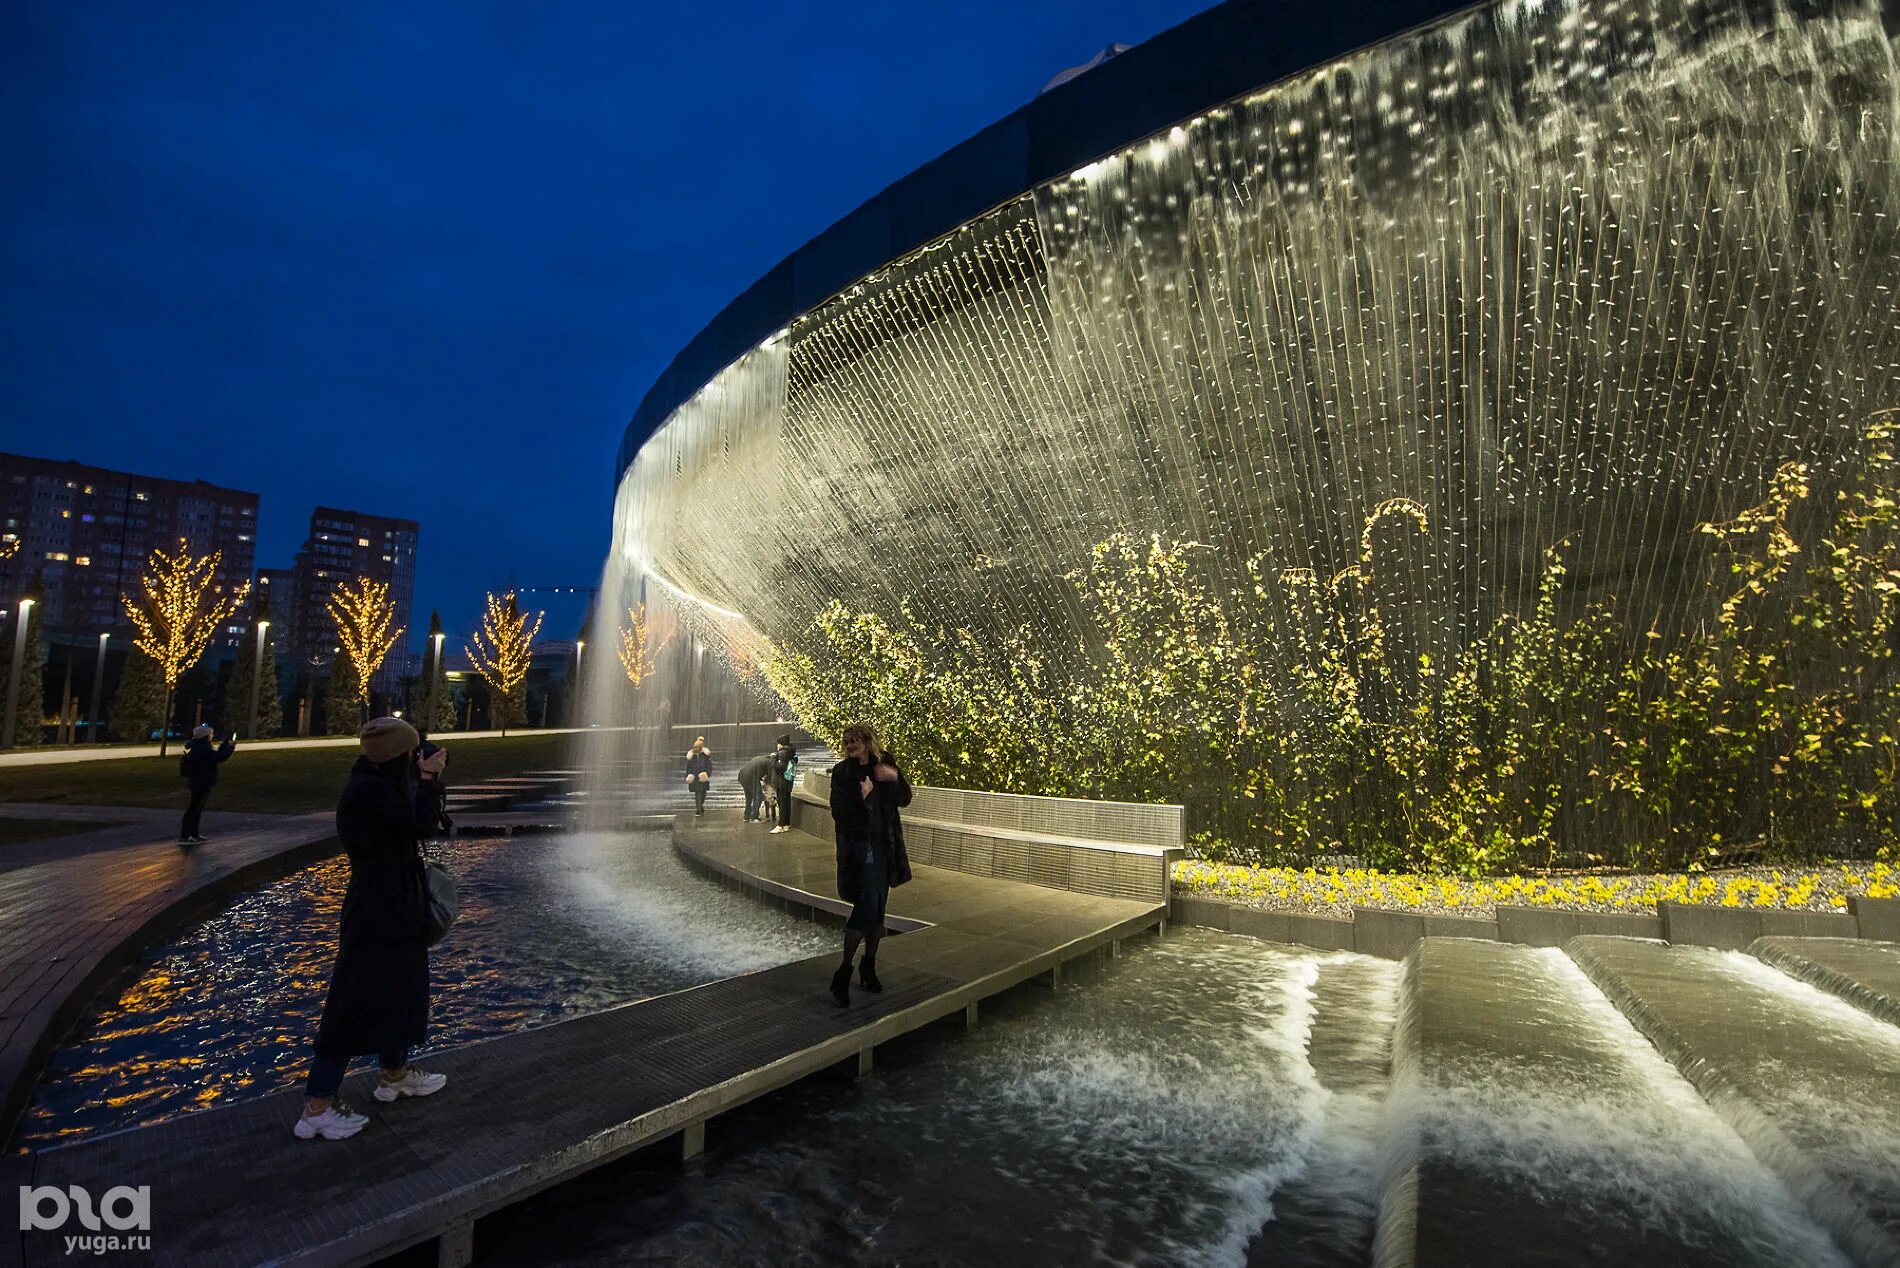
[754, 800]
[326, 1072]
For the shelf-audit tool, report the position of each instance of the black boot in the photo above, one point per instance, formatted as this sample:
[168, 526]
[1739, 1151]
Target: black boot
[841, 986]
[867, 975]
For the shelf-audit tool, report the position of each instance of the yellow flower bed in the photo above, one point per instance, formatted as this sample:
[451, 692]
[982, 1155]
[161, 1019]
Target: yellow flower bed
[1331, 888]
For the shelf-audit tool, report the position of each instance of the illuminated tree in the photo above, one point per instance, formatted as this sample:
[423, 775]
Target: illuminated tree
[179, 614]
[639, 648]
[362, 613]
[502, 650]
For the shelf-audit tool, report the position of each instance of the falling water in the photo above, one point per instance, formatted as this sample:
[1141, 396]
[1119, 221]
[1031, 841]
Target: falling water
[1575, 273]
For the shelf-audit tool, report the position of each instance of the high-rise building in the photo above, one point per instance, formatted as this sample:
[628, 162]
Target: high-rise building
[87, 531]
[342, 545]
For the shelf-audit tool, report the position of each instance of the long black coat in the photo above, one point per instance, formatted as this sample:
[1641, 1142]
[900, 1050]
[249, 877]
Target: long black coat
[379, 992]
[853, 823]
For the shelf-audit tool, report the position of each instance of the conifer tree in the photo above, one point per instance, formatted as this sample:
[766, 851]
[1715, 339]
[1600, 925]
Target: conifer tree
[342, 698]
[234, 708]
[138, 704]
[31, 714]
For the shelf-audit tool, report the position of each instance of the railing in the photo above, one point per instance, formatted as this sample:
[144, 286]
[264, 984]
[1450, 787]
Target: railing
[1114, 849]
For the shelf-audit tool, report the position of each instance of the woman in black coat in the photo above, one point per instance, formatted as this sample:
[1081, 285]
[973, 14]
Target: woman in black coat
[867, 790]
[379, 990]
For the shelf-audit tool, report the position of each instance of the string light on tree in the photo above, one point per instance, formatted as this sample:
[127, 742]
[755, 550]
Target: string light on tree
[179, 614]
[503, 649]
[363, 614]
[639, 651]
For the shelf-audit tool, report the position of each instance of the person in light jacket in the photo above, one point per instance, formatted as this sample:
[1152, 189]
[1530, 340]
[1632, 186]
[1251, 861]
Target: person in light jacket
[379, 990]
[867, 790]
[699, 773]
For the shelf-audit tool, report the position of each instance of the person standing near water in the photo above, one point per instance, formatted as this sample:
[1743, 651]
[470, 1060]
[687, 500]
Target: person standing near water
[867, 790]
[752, 777]
[199, 765]
[379, 990]
[699, 773]
[784, 772]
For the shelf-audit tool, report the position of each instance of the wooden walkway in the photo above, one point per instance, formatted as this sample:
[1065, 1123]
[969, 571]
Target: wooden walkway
[230, 1185]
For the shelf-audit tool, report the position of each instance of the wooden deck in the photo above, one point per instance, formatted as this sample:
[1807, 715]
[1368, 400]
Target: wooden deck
[230, 1185]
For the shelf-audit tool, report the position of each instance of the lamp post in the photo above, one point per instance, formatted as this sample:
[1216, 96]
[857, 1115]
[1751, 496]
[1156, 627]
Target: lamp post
[13, 675]
[98, 690]
[257, 674]
[435, 676]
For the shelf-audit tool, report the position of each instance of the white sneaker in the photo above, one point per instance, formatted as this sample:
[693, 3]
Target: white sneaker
[413, 1082]
[335, 1123]
[779, 829]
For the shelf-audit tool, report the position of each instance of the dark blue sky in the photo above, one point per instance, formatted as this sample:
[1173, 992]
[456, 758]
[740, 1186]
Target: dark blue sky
[424, 258]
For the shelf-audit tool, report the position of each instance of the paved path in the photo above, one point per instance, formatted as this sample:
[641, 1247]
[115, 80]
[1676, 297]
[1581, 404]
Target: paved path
[113, 752]
[230, 1185]
[119, 827]
[66, 923]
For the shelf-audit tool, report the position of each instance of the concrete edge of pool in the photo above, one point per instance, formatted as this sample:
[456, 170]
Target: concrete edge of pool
[229, 1185]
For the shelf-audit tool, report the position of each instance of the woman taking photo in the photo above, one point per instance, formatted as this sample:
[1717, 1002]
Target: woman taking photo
[867, 789]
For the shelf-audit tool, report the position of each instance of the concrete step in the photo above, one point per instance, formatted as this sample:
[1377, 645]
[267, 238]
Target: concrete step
[1529, 1123]
[1865, 974]
[1809, 1081]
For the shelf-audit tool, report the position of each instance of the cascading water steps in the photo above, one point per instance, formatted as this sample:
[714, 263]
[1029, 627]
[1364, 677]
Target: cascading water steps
[1529, 1122]
[1811, 1082]
[1865, 974]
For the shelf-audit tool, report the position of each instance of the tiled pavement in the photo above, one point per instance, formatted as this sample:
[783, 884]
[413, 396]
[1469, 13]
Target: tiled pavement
[67, 922]
[230, 1186]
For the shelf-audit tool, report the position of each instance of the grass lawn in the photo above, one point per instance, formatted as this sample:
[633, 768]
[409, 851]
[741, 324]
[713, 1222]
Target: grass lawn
[283, 781]
[15, 831]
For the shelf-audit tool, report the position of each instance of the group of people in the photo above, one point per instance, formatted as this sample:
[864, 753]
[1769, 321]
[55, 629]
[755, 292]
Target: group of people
[378, 1000]
[766, 780]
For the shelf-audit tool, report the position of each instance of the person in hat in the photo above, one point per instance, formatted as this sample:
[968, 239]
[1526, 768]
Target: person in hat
[699, 773]
[199, 765]
[784, 771]
[379, 989]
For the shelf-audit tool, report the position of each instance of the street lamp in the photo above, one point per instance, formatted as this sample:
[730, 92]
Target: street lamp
[13, 676]
[98, 690]
[257, 674]
[435, 675]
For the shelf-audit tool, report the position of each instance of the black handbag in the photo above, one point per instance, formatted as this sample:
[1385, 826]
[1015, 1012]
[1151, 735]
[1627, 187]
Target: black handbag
[443, 900]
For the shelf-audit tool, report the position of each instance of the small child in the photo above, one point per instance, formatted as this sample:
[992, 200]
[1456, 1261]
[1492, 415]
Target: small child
[768, 810]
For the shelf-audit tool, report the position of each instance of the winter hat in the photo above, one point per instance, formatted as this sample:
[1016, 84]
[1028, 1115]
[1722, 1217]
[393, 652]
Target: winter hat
[201, 732]
[786, 740]
[386, 739]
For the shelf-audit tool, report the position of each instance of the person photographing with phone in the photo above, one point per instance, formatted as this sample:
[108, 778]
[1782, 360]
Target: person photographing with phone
[379, 990]
[199, 765]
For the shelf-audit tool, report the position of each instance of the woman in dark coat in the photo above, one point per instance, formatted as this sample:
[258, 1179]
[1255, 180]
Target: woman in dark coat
[867, 790]
[199, 765]
[379, 990]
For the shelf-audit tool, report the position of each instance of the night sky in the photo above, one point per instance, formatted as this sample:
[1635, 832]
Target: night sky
[424, 259]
